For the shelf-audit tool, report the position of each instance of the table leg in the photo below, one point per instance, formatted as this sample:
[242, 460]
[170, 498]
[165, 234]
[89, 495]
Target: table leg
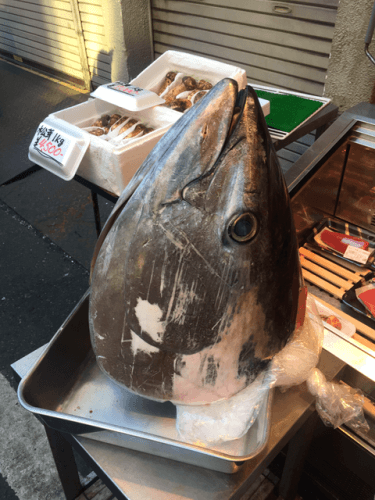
[66, 466]
[95, 204]
[29, 171]
[298, 448]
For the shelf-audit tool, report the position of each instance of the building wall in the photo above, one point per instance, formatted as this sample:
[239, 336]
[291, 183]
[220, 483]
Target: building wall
[350, 76]
[129, 39]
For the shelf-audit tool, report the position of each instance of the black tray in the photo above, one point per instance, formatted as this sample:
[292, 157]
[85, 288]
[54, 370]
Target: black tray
[350, 299]
[351, 230]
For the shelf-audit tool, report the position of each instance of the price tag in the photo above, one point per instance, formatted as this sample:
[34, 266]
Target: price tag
[59, 147]
[125, 88]
[127, 96]
[51, 144]
[357, 254]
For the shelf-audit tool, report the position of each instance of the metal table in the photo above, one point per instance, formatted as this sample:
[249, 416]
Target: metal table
[134, 475]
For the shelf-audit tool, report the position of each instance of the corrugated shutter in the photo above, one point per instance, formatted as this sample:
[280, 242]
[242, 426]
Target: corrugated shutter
[48, 33]
[282, 44]
[43, 32]
[99, 60]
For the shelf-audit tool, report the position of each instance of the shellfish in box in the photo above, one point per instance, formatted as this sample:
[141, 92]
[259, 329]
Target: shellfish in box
[196, 276]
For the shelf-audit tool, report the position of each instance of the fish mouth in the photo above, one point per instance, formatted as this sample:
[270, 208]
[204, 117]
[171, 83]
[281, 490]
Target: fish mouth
[219, 186]
[238, 110]
[236, 116]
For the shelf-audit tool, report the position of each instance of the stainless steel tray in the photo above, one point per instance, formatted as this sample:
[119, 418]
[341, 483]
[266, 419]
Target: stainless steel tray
[68, 391]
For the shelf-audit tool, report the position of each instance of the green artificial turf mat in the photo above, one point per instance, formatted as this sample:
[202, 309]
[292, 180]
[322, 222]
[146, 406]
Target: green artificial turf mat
[288, 111]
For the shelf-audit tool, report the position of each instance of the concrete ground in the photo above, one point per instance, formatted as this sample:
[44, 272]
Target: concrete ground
[47, 235]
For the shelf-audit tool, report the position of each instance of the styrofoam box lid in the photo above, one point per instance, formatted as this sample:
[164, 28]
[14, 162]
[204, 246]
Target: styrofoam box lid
[127, 96]
[58, 147]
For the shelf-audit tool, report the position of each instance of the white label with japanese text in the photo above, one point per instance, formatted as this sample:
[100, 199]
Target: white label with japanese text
[357, 254]
[52, 144]
[126, 88]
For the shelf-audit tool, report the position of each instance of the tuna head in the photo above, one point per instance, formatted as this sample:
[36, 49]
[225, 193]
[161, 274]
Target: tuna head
[196, 277]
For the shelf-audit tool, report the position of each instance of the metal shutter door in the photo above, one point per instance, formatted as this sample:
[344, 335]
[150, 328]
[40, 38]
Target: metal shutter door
[281, 44]
[42, 32]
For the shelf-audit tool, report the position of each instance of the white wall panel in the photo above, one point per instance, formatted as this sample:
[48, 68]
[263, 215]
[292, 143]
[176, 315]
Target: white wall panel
[63, 35]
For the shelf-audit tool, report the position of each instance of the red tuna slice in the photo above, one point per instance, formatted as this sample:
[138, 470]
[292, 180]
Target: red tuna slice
[339, 242]
[367, 298]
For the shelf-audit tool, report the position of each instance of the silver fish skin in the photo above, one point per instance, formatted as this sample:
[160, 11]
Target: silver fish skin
[196, 275]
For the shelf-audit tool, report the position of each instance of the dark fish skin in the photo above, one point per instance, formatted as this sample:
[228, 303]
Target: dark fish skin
[180, 309]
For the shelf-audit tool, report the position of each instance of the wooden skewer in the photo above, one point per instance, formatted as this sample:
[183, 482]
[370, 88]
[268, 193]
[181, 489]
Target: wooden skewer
[328, 264]
[326, 275]
[325, 285]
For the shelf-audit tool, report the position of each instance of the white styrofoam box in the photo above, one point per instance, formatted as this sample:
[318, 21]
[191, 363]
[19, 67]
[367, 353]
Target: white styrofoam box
[111, 166]
[198, 67]
[107, 165]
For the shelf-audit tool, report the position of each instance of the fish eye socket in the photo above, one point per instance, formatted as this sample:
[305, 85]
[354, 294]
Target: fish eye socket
[205, 131]
[243, 227]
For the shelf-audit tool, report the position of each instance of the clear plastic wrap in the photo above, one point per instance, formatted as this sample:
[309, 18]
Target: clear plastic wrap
[292, 365]
[337, 403]
[224, 420]
[230, 419]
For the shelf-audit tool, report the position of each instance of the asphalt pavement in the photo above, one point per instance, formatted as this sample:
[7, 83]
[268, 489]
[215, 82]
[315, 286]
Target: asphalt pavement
[48, 234]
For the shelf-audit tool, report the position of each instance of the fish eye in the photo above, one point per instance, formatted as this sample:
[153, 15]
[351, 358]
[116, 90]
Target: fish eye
[243, 228]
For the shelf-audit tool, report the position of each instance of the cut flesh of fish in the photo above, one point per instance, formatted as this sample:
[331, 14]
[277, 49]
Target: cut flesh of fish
[367, 297]
[338, 241]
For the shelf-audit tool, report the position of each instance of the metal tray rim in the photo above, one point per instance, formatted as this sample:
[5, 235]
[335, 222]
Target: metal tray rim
[130, 432]
[123, 430]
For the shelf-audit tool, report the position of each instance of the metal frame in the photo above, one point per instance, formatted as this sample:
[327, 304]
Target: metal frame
[293, 420]
[95, 190]
[81, 43]
[312, 159]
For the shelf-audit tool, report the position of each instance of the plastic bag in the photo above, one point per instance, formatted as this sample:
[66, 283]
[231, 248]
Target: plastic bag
[292, 365]
[224, 420]
[231, 419]
[337, 403]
